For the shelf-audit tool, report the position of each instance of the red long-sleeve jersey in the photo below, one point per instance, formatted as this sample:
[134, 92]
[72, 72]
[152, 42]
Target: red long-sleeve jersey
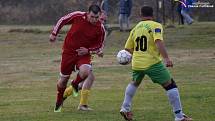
[81, 34]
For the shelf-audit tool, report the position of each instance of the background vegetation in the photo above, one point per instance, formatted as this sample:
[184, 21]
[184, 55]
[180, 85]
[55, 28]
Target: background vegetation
[49, 11]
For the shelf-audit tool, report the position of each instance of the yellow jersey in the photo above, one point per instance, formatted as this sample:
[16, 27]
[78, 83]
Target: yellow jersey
[142, 41]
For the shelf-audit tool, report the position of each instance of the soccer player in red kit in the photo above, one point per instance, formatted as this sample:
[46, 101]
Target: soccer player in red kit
[85, 37]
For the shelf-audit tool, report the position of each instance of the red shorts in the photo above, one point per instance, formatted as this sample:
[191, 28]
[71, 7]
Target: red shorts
[69, 61]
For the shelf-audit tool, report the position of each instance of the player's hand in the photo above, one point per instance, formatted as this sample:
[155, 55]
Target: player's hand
[52, 38]
[168, 62]
[100, 54]
[82, 51]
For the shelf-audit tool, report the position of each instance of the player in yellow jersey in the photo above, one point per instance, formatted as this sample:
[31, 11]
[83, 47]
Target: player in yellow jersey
[147, 46]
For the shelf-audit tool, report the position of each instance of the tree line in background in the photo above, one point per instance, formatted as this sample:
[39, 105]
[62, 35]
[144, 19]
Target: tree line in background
[49, 11]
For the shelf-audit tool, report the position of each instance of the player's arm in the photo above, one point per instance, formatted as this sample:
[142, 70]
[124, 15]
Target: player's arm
[162, 49]
[158, 39]
[67, 19]
[130, 50]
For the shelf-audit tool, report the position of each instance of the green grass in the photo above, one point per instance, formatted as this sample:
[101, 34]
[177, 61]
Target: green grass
[29, 71]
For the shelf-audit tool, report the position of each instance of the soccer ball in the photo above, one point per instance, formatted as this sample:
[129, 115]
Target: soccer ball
[124, 57]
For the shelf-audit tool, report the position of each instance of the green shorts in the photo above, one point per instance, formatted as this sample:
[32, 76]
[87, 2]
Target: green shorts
[157, 72]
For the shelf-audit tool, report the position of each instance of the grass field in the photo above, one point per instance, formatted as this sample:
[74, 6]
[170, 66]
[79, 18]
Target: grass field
[29, 71]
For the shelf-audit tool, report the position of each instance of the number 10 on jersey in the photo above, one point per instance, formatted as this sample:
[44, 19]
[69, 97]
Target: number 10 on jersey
[141, 43]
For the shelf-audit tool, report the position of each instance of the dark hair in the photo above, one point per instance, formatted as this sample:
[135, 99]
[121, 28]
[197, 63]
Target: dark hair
[147, 11]
[94, 8]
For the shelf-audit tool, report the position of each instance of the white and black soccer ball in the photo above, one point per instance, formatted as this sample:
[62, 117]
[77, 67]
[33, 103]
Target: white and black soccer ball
[124, 57]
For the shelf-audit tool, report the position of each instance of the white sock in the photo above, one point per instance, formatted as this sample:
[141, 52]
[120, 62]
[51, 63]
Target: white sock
[174, 99]
[129, 93]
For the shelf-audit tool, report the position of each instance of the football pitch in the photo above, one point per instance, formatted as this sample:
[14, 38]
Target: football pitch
[29, 69]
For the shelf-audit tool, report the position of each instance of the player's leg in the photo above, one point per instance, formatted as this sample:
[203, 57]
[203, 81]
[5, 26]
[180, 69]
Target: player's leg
[129, 94]
[159, 74]
[86, 71]
[174, 99]
[61, 86]
[80, 77]
[74, 87]
[66, 69]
